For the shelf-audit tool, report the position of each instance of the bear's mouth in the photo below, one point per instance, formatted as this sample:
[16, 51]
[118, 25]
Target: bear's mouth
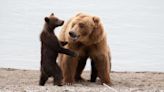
[75, 38]
[73, 35]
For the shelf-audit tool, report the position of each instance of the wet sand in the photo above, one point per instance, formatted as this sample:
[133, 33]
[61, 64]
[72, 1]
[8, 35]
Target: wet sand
[15, 80]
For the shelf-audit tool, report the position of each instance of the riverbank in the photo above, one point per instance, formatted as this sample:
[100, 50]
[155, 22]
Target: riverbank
[15, 80]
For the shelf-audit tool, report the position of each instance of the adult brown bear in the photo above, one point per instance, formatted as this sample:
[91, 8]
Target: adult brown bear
[85, 34]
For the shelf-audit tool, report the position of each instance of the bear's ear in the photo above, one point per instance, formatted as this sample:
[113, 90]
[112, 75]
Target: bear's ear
[52, 14]
[96, 20]
[78, 14]
[97, 30]
[47, 19]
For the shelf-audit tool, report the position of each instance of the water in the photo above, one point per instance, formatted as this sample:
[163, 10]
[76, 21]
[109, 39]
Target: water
[135, 31]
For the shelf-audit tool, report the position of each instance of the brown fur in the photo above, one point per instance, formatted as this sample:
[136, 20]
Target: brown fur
[50, 47]
[85, 34]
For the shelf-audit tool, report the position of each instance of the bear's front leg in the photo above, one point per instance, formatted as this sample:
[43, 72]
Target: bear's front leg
[67, 52]
[63, 43]
[69, 69]
[93, 72]
[80, 67]
[103, 68]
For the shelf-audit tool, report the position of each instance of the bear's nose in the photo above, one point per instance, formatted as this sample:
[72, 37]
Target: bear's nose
[62, 22]
[72, 34]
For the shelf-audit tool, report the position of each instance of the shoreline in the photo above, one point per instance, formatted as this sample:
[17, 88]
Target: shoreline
[85, 70]
[27, 80]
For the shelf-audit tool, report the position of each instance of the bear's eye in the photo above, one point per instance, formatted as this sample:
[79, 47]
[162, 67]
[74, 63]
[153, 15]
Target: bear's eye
[73, 24]
[81, 25]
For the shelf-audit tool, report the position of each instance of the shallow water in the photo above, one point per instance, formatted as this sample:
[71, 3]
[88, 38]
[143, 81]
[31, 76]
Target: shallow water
[135, 31]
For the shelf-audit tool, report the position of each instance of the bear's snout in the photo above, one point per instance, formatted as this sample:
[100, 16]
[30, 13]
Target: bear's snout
[72, 34]
[59, 23]
[62, 22]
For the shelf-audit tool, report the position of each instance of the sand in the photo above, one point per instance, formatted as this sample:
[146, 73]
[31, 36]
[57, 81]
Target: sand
[15, 80]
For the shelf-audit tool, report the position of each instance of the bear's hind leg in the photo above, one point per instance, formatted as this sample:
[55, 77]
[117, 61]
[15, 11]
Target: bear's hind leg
[57, 75]
[57, 82]
[43, 79]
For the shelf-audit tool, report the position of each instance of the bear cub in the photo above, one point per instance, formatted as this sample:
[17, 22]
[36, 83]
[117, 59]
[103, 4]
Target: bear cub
[50, 47]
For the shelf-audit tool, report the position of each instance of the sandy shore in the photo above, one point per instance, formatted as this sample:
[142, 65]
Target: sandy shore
[14, 80]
